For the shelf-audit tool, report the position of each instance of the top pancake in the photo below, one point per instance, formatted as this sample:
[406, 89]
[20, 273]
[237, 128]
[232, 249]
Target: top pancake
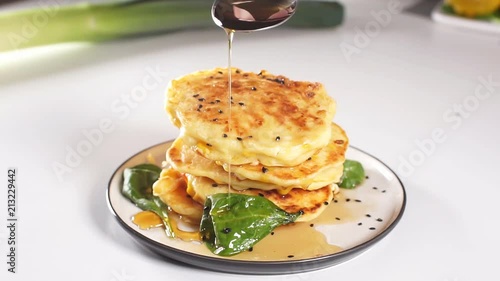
[275, 121]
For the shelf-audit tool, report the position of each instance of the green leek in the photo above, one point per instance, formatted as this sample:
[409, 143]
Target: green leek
[53, 23]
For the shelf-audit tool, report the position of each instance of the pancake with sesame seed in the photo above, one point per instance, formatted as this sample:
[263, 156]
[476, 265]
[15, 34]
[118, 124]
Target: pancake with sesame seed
[311, 203]
[323, 168]
[275, 121]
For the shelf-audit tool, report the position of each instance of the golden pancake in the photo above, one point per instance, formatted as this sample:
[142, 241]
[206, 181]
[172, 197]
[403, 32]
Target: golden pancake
[324, 168]
[311, 203]
[275, 121]
[171, 189]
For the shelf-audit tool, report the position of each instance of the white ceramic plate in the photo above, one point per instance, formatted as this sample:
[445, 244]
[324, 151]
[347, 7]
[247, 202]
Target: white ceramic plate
[363, 216]
[473, 24]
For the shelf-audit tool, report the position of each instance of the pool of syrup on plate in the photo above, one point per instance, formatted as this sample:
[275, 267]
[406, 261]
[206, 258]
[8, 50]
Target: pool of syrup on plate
[295, 241]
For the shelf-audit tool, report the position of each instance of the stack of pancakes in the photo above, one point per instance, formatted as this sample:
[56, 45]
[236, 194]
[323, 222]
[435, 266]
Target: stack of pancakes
[280, 142]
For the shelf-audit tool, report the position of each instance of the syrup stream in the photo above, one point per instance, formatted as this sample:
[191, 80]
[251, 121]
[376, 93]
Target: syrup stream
[230, 36]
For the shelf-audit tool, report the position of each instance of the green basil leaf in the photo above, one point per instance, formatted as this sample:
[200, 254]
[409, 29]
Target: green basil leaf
[138, 187]
[232, 223]
[354, 174]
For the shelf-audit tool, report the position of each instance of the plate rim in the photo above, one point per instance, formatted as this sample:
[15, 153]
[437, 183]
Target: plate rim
[346, 254]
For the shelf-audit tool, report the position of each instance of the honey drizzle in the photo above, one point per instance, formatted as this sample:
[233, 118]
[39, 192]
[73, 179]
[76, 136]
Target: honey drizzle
[303, 239]
[230, 36]
[147, 220]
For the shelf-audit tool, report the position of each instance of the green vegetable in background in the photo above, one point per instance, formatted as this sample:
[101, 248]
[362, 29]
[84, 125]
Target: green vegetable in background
[317, 13]
[100, 22]
[137, 186]
[233, 223]
[353, 175]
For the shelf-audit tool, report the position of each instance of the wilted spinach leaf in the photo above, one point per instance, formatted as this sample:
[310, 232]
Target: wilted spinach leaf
[354, 174]
[137, 186]
[233, 223]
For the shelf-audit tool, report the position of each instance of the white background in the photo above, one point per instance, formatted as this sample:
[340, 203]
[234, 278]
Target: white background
[391, 95]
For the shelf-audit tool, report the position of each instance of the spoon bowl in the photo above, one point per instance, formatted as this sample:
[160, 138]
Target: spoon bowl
[252, 15]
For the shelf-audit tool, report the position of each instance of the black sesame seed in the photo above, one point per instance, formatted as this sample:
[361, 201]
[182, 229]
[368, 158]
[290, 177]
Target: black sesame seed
[367, 177]
[309, 159]
[217, 101]
[290, 256]
[278, 80]
[238, 138]
[212, 102]
[383, 191]
[372, 228]
[348, 199]
[226, 230]
[198, 109]
[272, 233]
[337, 218]
[311, 225]
[201, 99]
[374, 187]
[250, 137]
[325, 203]
[214, 185]
[278, 138]
[335, 201]
[254, 89]
[200, 106]
[264, 170]
[209, 145]
[360, 223]
[215, 119]
[194, 96]
[220, 111]
[220, 72]
[240, 103]
[238, 72]
[224, 135]
[379, 219]
[357, 200]
[368, 215]
[250, 249]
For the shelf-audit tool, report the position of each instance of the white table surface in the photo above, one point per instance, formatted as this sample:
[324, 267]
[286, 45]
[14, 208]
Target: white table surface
[390, 95]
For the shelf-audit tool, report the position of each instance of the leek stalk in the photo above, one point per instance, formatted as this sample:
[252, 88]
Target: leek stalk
[53, 23]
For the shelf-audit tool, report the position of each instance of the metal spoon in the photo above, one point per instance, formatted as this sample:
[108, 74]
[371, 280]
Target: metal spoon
[252, 15]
